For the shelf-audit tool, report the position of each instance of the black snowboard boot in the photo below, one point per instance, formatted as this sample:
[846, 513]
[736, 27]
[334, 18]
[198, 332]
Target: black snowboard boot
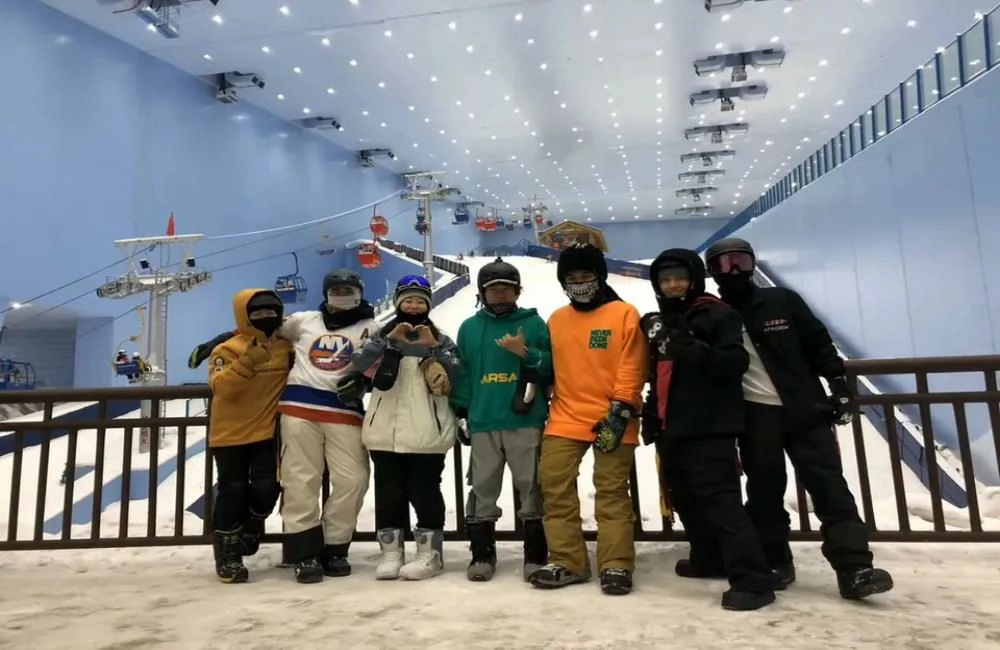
[745, 601]
[536, 549]
[783, 576]
[616, 582]
[863, 583]
[482, 538]
[228, 549]
[253, 530]
[308, 571]
[335, 564]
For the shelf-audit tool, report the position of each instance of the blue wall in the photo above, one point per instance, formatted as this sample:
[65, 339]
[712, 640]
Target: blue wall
[632, 241]
[100, 141]
[893, 247]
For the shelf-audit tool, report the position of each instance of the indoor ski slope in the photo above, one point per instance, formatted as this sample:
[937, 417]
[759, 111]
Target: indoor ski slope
[540, 291]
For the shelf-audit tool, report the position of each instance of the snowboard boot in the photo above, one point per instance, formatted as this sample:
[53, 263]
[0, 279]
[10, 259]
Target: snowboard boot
[745, 601]
[862, 583]
[429, 561]
[308, 571]
[393, 555]
[687, 569]
[783, 576]
[553, 576]
[228, 550]
[334, 560]
[616, 581]
[482, 543]
[536, 550]
[253, 530]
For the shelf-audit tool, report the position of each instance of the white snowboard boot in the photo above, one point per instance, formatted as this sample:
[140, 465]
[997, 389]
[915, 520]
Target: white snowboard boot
[393, 554]
[428, 562]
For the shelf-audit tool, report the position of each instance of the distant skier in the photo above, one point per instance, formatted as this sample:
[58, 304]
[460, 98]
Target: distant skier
[247, 373]
[694, 413]
[599, 358]
[503, 348]
[788, 411]
[409, 429]
[320, 431]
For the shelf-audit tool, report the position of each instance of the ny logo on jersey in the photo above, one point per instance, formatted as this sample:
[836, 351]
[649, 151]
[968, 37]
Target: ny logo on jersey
[331, 352]
[599, 339]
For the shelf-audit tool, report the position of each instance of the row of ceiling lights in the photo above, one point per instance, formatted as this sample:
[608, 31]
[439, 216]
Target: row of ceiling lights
[284, 10]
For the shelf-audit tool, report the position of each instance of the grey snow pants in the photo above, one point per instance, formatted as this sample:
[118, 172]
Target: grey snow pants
[491, 450]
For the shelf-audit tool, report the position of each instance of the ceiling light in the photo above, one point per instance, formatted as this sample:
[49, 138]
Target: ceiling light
[788, 10]
[284, 10]
[719, 46]
[839, 102]
[487, 72]
[297, 70]
[353, 62]
[658, 53]
[911, 23]
[325, 42]
[381, 84]
[518, 17]
[365, 113]
[280, 96]
[658, 26]
[307, 110]
[412, 108]
[388, 33]
[586, 9]
[845, 31]
[470, 48]
[453, 25]
[217, 19]
[433, 79]
[544, 66]
[207, 57]
[823, 63]
[725, 17]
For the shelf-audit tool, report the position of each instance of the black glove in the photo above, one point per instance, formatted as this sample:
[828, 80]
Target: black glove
[388, 369]
[611, 428]
[681, 344]
[653, 327]
[351, 388]
[463, 432]
[841, 401]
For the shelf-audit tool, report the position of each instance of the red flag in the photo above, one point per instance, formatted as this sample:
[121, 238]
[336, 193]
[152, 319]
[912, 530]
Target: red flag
[170, 225]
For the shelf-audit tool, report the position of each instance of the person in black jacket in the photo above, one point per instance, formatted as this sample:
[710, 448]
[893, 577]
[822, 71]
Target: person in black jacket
[788, 411]
[694, 413]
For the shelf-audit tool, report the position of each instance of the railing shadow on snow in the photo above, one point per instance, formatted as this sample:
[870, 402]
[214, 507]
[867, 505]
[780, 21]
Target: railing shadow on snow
[136, 482]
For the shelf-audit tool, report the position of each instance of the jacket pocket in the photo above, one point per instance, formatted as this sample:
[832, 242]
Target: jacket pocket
[371, 418]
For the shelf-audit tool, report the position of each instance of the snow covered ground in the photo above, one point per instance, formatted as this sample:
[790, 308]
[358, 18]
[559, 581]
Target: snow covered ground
[132, 598]
[168, 598]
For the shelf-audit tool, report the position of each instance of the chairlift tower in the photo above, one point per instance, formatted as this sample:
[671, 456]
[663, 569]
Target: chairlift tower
[153, 272]
[425, 187]
[536, 207]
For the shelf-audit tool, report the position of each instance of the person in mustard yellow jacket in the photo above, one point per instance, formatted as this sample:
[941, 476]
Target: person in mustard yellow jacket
[599, 358]
[247, 374]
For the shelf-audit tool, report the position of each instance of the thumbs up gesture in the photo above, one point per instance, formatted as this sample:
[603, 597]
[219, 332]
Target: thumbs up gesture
[514, 344]
[256, 354]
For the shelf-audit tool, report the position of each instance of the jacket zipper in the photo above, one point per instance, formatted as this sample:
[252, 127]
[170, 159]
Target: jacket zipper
[436, 418]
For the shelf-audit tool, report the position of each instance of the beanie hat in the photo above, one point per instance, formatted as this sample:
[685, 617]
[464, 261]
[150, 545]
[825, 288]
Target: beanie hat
[582, 257]
[400, 296]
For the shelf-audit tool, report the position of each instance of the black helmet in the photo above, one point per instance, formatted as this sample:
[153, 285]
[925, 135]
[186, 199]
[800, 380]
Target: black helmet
[729, 245]
[343, 278]
[498, 272]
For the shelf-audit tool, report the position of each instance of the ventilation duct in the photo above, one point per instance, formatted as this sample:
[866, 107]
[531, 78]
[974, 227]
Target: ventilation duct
[769, 58]
[702, 177]
[726, 95]
[708, 158]
[321, 123]
[716, 133]
[697, 211]
[697, 193]
[726, 5]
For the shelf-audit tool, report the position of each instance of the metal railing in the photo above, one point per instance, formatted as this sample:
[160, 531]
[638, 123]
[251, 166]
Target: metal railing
[76, 424]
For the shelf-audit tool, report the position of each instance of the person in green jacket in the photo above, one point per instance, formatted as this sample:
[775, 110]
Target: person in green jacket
[505, 351]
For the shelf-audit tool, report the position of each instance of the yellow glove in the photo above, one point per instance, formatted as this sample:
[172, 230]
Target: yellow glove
[436, 377]
[256, 355]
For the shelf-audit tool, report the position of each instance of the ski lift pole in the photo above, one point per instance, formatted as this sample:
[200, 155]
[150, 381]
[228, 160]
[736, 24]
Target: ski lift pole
[428, 243]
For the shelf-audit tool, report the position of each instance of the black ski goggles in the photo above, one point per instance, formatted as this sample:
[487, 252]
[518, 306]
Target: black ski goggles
[726, 263]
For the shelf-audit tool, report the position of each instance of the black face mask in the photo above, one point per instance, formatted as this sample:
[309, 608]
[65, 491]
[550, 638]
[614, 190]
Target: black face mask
[267, 325]
[735, 285]
[412, 319]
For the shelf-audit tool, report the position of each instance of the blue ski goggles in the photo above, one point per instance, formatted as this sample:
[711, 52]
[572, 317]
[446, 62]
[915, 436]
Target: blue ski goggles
[413, 282]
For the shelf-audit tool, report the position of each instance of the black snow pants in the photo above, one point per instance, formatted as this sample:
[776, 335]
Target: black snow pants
[705, 491]
[405, 479]
[815, 455]
[247, 483]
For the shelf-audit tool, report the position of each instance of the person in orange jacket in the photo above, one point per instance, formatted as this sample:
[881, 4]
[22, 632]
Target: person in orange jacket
[599, 357]
[247, 373]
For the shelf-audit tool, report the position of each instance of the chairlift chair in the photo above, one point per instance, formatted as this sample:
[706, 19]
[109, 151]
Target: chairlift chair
[291, 288]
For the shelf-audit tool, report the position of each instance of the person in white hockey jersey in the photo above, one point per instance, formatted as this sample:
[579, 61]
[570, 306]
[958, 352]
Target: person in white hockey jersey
[319, 431]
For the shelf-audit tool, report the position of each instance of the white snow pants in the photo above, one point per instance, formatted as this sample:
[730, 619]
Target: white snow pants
[306, 449]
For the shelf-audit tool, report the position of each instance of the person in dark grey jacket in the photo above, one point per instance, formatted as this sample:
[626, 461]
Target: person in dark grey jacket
[789, 412]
